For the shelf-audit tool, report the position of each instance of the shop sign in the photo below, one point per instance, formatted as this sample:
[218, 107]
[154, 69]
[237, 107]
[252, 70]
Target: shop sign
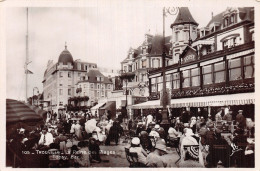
[189, 56]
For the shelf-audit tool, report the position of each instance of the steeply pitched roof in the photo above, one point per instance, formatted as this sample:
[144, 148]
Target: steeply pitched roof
[184, 17]
[93, 74]
[216, 18]
[157, 45]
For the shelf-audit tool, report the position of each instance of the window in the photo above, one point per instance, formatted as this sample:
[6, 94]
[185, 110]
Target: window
[143, 63]
[153, 85]
[156, 63]
[129, 68]
[207, 74]
[85, 85]
[69, 91]
[177, 36]
[175, 81]
[91, 85]
[98, 93]
[98, 86]
[108, 86]
[102, 93]
[232, 19]
[61, 74]
[195, 77]
[61, 92]
[226, 22]
[225, 44]
[219, 72]
[186, 78]
[69, 74]
[234, 69]
[249, 62]
[86, 67]
[125, 68]
[79, 74]
[79, 66]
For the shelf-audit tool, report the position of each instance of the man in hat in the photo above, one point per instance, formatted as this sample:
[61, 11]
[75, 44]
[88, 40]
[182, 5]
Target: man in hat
[240, 119]
[228, 116]
[154, 159]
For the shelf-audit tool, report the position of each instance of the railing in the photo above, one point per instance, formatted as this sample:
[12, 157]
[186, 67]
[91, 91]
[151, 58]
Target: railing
[240, 88]
[230, 50]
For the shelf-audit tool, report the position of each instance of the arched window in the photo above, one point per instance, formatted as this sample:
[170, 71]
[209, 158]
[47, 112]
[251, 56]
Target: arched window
[226, 22]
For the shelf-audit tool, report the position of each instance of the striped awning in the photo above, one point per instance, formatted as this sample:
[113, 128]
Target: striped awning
[39, 111]
[217, 100]
[19, 112]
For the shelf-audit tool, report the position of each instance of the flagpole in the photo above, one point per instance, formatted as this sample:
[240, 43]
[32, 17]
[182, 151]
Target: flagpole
[27, 56]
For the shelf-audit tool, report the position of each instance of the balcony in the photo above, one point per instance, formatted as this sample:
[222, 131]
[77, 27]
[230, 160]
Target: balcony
[233, 89]
[229, 50]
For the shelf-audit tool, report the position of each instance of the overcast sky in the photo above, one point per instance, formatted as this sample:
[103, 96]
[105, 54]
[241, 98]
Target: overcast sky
[99, 35]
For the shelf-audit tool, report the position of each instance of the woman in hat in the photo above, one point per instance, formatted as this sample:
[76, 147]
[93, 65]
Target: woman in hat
[136, 148]
[191, 155]
[155, 159]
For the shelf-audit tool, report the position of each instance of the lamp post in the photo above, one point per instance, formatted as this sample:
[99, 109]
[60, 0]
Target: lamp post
[34, 88]
[170, 11]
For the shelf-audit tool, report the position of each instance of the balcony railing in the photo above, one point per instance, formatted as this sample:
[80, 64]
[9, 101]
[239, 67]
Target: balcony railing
[229, 50]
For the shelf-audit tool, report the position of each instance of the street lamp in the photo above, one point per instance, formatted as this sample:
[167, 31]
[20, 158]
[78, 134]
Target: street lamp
[170, 11]
[34, 88]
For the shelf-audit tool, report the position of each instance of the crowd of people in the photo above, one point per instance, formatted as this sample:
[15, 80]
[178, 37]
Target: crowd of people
[73, 139]
[199, 142]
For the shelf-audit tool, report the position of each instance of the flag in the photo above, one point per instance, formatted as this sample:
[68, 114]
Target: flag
[28, 71]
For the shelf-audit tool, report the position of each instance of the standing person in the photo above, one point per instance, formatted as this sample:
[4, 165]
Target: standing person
[218, 116]
[240, 119]
[184, 116]
[78, 130]
[158, 117]
[114, 133]
[154, 159]
[228, 116]
[149, 119]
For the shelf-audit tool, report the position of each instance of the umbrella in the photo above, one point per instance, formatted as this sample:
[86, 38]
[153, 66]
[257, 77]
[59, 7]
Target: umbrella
[18, 112]
[39, 111]
[90, 125]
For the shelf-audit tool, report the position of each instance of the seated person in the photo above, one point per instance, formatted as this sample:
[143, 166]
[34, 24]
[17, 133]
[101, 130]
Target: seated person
[94, 150]
[136, 148]
[145, 141]
[154, 159]
[189, 139]
[217, 154]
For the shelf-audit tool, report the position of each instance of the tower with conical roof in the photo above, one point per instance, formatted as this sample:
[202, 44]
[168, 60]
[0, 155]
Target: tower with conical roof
[184, 31]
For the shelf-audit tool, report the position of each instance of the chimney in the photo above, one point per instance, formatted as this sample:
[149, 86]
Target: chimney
[212, 15]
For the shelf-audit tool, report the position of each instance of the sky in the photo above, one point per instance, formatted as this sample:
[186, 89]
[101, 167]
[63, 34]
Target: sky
[100, 35]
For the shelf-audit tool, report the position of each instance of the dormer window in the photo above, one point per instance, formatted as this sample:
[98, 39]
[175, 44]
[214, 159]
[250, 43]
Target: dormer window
[226, 22]
[232, 19]
[144, 51]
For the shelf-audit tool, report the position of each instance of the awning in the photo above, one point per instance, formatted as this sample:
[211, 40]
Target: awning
[108, 104]
[97, 106]
[217, 100]
[203, 42]
[147, 105]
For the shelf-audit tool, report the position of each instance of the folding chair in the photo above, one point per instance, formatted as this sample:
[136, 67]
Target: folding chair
[128, 157]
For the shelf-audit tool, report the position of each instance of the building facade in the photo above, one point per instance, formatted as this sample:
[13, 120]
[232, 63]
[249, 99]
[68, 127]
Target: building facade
[140, 61]
[95, 86]
[61, 78]
[217, 65]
